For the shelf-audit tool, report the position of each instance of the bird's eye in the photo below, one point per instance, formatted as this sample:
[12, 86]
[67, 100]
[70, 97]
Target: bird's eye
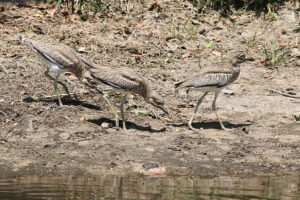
[242, 56]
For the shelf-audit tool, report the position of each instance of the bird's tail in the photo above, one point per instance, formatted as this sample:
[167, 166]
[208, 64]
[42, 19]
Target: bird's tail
[178, 84]
[25, 40]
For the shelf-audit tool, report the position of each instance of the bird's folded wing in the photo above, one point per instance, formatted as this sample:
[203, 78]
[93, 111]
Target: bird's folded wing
[61, 56]
[116, 79]
[208, 80]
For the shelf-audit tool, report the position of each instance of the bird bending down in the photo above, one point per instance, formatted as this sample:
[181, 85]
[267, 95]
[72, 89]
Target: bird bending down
[61, 58]
[213, 81]
[126, 81]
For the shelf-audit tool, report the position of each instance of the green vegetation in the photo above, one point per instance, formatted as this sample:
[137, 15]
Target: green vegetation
[98, 5]
[87, 7]
[276, 56]
[267, 5]
[251, 43]
[58, 2]
[208, 45]
[297, 118]
[187, 28]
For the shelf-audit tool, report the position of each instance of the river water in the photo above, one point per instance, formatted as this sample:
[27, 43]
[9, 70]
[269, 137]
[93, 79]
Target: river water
[143, 187]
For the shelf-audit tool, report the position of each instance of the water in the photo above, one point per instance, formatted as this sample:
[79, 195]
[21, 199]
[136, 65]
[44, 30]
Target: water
[141, 187]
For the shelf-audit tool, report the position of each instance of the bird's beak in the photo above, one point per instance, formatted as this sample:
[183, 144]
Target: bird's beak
[249, 59]
[164, 109]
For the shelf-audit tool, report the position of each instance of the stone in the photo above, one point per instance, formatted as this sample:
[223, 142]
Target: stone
[64, 136]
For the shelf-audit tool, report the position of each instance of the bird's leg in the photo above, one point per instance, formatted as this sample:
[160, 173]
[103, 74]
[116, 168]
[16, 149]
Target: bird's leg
[56, 90]
[56, 80]
[215, 110]
[112, 108]
[186, 95]
[93, 86]
[109, 93]
[122, 112]
[195, 111]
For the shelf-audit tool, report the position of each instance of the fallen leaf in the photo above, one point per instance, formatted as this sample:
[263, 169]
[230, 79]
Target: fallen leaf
[89, 46]
[169, 120]
[38, 15]
[139, 26]
[72, 77]
[139, 111]
[11, 55]
[52, 12]
[285, 44]
[73, 18]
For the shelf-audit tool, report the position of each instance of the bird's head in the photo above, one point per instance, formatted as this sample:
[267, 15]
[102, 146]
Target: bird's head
[157, 102]
[239, 57]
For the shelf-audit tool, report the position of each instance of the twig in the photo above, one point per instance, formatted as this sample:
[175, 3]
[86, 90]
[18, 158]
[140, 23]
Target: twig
[3, 113]
[285, 94]
[4, 69]
[67, 118]
[34, 73]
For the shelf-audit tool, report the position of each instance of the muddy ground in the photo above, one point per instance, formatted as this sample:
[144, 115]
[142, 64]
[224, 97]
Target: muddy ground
[166, 44]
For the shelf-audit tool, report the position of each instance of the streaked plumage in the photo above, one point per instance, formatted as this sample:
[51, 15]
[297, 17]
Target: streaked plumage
[210, 80]
[60, 58]
[126, 81]
[214, 81]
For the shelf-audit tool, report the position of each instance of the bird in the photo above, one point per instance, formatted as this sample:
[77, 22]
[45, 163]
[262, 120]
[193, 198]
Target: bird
[214, 81]
[61, 58]
[125, 81]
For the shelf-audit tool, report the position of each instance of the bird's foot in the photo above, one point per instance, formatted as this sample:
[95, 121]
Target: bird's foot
[192, 128]
[226, 129]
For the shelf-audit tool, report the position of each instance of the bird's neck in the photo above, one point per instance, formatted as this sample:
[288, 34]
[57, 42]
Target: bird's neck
[237, 65]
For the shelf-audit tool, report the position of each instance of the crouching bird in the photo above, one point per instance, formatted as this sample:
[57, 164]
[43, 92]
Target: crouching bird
[125, 81]
[61, 58]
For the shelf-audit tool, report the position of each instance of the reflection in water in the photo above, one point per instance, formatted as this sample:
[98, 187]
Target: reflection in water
[141, 187]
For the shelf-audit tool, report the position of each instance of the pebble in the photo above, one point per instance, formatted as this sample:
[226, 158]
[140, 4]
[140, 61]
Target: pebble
[64, 136]
[105, 125]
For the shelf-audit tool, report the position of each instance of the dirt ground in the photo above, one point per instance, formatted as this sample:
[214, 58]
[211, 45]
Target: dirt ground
[166, 44]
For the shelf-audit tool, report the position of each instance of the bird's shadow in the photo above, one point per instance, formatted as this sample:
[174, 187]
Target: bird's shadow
[129, 125]
[211, 125]
[65, 100]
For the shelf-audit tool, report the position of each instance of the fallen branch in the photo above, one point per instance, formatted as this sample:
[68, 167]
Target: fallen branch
[285, 94]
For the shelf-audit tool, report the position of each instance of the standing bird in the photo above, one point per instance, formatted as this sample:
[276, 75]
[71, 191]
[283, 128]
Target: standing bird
[214, 81]
[126, 81]
[61, 58]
